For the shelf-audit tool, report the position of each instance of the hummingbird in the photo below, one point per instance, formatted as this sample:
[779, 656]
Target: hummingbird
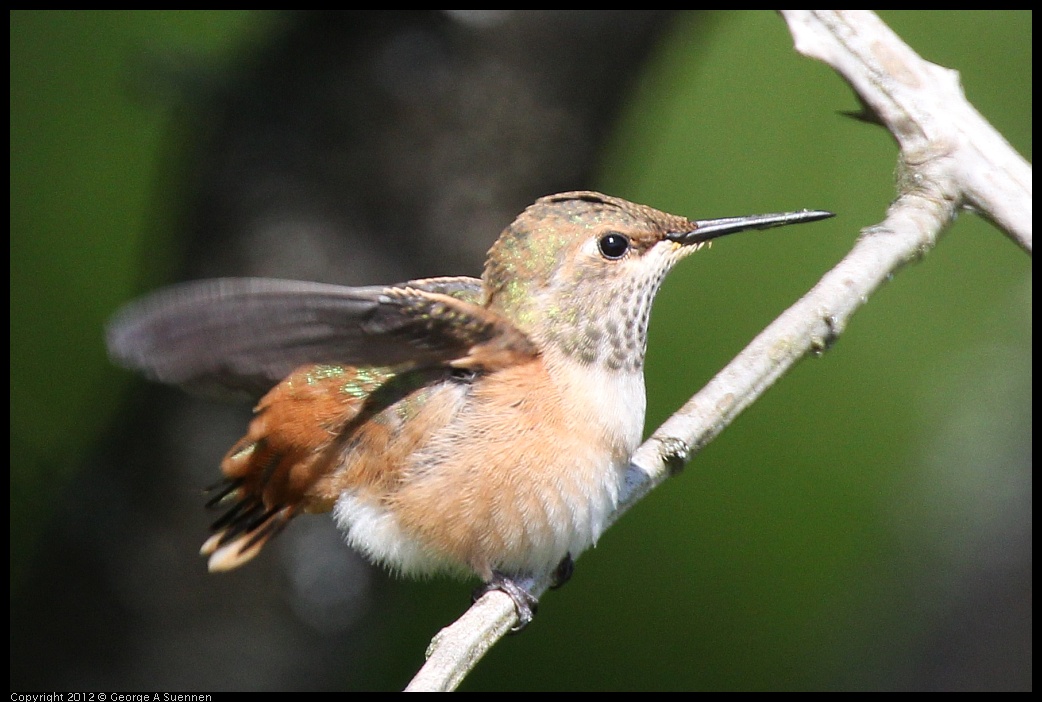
[470, 425]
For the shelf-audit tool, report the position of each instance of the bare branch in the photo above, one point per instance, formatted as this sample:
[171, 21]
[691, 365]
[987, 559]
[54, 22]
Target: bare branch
[923, 106]
[951, 158]
[457, 648]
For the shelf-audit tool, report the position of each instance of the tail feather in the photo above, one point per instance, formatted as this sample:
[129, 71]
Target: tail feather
[275, 471]
[242, 532]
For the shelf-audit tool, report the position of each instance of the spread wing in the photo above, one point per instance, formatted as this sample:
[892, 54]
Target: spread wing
[241, 336]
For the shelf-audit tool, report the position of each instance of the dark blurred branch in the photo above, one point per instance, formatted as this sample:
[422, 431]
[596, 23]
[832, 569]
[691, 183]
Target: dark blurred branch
[951, 159]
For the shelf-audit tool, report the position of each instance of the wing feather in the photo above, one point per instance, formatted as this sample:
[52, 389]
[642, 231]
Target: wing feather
[241, 336]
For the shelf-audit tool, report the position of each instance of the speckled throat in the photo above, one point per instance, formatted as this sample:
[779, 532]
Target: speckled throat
[608, 326]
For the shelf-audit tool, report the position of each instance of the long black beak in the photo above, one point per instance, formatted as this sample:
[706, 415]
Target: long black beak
[715, 228]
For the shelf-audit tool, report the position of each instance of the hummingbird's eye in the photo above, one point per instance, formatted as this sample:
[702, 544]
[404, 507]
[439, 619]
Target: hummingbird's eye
[613, 245]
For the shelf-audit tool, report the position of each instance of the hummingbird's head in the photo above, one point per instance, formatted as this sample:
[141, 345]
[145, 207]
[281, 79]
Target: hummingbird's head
[578, 271]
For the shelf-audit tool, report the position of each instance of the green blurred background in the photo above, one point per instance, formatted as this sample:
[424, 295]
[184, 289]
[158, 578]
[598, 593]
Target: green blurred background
[865, 525]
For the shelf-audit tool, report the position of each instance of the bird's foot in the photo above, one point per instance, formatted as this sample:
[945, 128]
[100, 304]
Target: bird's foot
[563, 572]
[525, 604]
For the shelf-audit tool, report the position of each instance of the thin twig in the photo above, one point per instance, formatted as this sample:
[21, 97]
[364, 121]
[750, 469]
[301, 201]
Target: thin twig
[951, 159]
